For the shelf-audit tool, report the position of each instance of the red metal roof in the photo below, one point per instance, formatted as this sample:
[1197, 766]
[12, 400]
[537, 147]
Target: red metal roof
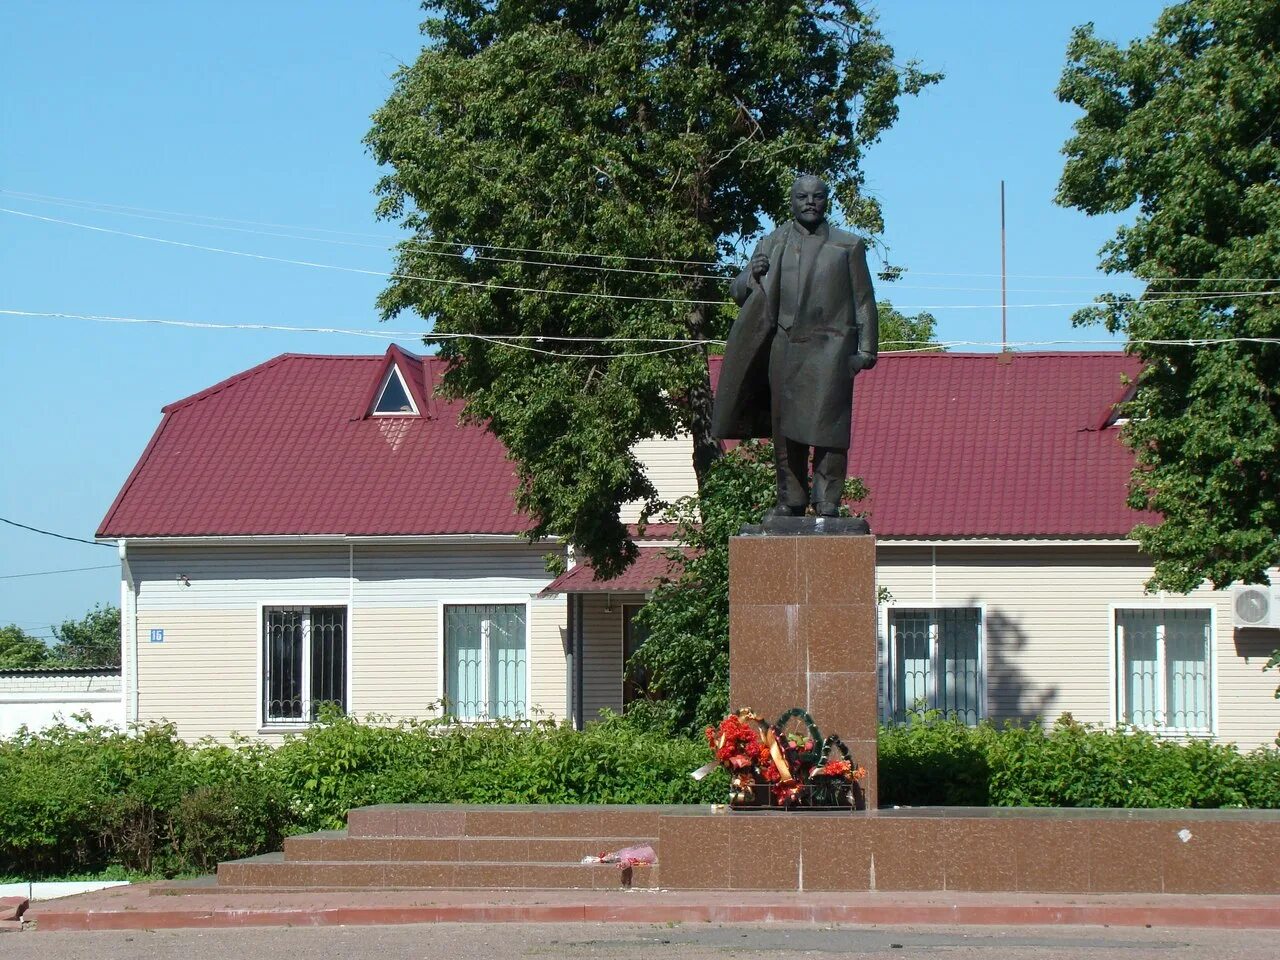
[950, 445]
[286, 448]
[969, 445]
[650, 567]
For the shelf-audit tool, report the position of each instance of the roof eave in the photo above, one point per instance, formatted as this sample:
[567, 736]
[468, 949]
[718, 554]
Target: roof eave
[1049, 540]
[319, 538]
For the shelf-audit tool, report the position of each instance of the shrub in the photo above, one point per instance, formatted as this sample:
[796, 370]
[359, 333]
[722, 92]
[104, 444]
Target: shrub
[933, 761]
[342, 763]
[78, 798]
[1075, 765]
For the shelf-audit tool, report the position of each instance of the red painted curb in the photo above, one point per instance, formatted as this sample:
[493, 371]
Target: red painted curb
[1116, 915]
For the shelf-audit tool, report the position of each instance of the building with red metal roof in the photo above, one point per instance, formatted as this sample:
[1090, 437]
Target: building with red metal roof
[323, 528]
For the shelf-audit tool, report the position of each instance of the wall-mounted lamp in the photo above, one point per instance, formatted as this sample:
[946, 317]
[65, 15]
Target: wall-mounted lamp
[183, 579]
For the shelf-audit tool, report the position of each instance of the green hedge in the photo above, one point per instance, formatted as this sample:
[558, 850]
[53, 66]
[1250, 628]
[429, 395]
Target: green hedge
[77, 799]
[932, 760]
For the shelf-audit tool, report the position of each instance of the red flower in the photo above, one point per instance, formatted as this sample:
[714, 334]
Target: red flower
[837, 768]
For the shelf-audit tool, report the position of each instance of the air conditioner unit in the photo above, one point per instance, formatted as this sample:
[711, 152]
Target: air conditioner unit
[1255, 606]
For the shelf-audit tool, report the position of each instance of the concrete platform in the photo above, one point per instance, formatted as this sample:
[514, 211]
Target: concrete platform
[705, 847]
[150, 907]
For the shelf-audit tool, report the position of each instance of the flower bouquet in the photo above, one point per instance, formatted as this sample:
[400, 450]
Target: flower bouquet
[769, 766]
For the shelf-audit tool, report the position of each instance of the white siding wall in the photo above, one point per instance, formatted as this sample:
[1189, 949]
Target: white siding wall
[669, 466]
[602, 663]
[1049, 632]
[1050, 636]
[204, 676]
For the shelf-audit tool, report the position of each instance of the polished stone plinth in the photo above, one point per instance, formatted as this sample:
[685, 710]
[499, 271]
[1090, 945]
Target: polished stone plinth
[700, 847]
[802, 633]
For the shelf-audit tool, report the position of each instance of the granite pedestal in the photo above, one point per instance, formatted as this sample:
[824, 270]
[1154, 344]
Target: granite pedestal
[802, 633]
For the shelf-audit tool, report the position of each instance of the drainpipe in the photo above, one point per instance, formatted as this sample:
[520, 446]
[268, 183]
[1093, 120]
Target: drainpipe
[128, 635]
[571, 660]
[580, 714]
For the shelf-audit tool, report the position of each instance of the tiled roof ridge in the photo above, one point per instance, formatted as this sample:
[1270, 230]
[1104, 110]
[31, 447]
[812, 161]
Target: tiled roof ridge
[253, 372]
[994, 355]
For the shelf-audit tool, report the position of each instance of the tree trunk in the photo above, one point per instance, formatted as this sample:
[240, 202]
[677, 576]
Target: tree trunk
[706, 448]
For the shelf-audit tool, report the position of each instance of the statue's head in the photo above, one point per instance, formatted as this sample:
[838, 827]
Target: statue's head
[809, 196]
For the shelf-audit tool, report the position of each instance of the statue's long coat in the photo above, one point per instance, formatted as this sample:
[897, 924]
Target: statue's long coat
[804, 378]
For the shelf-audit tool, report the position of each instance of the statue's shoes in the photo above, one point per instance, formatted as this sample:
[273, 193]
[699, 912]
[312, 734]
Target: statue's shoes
[782, 510]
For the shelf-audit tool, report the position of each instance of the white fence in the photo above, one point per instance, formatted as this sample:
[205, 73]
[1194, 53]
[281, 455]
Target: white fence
[37, 698]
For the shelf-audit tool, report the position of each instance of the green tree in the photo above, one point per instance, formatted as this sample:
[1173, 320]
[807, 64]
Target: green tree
[901, 332]
[19, 649]
[1181, 129]
[650, 140]
[91, 641]
[685, 657]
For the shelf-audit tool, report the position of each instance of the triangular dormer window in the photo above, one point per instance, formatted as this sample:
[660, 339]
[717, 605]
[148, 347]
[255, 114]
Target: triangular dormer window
[394, 398]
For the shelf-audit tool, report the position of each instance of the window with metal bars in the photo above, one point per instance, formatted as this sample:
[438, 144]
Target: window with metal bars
[936, 662]
[485, 661]
[304, 662]
[1163, 676]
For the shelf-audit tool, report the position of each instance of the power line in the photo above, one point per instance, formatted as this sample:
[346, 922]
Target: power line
[128, 211]
[521, 341]
[48, 533]
[498, 339]
[193, 219]
[473, 284]
[484, 285]
[47, 573]
[460, 253]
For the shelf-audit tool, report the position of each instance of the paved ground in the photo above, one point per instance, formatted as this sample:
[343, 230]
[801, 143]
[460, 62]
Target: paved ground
[449, 941]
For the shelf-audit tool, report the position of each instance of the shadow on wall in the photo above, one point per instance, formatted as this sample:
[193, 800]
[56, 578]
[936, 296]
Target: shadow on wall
[1011, 693]
[1255, 646]
[932, 762]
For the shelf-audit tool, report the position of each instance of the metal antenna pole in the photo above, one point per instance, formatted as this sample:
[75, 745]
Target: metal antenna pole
[1004, 288]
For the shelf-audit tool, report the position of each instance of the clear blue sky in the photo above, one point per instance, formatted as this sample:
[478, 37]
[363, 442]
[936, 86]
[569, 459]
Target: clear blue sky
[255, 111]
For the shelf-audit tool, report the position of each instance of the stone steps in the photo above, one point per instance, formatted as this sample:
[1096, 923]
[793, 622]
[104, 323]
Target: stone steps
[441, 846]
[275, 871]
[443, 820]
[1085, 851]
[339, 846]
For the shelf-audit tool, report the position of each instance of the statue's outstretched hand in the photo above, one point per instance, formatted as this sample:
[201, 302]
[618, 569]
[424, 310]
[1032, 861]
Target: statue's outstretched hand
[759, 265]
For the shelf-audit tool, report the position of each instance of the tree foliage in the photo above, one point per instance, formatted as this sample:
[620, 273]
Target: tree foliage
[19, 649]
[1181, 128]
[587, 171]
[91, 641]
[901, 332]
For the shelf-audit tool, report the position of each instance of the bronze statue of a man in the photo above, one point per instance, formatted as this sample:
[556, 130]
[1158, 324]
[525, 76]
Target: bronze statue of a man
[806, 326]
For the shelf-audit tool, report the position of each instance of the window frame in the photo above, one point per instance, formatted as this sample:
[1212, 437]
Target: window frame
[525, 601]
[889, 689]
[265, 723]
[394, 371]
[1115, 706]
